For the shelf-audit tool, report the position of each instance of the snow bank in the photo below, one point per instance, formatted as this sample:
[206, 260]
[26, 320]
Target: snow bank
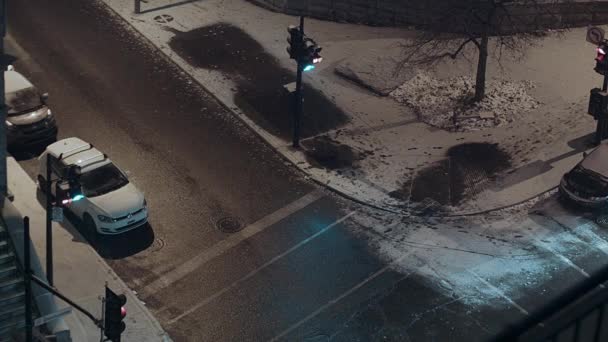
[447, 103]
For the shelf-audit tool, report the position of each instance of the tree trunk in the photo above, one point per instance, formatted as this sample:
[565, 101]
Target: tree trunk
[480, 82]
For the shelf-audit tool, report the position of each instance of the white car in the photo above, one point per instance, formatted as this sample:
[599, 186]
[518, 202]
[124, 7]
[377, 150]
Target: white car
[111, 204]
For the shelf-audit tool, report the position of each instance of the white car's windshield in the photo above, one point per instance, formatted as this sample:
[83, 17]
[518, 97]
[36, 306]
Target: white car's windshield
[102, 180]
[22, 101]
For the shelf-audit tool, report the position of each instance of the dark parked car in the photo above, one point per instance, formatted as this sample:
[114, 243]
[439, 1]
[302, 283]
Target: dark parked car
[29, 120]
[587, 183]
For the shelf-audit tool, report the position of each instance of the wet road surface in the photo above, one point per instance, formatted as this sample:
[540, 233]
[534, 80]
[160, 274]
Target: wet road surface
[240, 247]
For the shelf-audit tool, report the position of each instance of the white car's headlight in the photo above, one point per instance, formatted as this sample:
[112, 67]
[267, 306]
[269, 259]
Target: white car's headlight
[49, 113]
[103, 218]
[9, 124]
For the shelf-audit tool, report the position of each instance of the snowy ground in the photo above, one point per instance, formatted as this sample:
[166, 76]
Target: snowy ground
[506, 260]
[447, 103]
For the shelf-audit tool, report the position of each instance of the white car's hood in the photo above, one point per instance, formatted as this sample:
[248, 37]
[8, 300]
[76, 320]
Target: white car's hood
[119, 202]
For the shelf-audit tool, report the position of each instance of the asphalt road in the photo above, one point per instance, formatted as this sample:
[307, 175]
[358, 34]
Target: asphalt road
[197, 166]
[302, 267]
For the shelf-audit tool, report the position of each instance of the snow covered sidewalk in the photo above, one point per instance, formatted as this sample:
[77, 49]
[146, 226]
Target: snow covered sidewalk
[408, 152]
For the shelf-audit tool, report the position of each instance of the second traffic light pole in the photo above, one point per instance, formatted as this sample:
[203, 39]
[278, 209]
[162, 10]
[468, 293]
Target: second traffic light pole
[49, 222]
[297, 115]
[602, 123]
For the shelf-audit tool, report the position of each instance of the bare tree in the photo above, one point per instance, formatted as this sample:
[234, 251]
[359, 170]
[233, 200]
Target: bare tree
[450, 25]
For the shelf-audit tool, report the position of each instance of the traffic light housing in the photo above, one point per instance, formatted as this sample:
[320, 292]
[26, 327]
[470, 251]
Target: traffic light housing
[311, 55]
[598, 103]
[295, 42]
[68, 190]
[601, 61]
[114, 313]
[303, 49]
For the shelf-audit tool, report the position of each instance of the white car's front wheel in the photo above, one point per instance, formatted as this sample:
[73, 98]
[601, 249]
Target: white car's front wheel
[90, 227]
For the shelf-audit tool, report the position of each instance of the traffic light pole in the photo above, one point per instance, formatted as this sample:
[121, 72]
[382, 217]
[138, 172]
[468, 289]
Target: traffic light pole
[27, 280]
[602, 121]
[49, 222]
[103, 318]
[297, 117]
[29, 277]
[54, 291]
[3, 153]
[298, 108]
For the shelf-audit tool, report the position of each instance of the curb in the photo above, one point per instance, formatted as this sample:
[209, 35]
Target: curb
[164, 335]
[255, 130]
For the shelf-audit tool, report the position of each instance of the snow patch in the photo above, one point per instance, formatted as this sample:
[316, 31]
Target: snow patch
[481, 261]
[447, 103]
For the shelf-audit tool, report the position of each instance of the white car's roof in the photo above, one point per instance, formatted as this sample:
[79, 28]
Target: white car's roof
[597, 160]
[14, 81]
[75, 151]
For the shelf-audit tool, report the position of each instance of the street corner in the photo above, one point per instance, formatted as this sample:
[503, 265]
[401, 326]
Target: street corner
[419, 182]
[262, 92]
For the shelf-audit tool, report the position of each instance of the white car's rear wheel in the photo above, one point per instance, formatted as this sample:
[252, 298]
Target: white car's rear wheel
[90, 227]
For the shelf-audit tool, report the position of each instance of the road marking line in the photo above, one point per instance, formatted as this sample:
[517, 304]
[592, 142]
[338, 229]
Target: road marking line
[596, 240]
[500, 293]
[570, 232]
[563, 258]
[342, 296]
[222, 246]
[584, 230]
[255, 271]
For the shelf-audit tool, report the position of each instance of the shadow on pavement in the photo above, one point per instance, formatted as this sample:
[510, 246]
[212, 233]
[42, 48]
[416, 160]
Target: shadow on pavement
[323, 151]
[538, 167]
[167, 6]
[107, 246]
[29, 152]
[123, 245]
[259, 79]
[466, 170]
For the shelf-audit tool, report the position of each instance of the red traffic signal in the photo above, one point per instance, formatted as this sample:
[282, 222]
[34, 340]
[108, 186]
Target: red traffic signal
[601, 63]
[114, 313]
[601, 54]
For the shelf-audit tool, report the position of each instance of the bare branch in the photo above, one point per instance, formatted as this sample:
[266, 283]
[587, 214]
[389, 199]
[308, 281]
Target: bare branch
[511, 26]
[455, 53]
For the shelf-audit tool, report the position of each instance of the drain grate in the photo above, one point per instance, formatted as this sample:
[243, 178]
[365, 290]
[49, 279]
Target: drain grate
[157, 245]
[228, 225]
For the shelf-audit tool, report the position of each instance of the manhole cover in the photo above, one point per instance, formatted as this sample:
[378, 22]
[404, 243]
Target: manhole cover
[228, 225]
[157, 245]
[163, 18]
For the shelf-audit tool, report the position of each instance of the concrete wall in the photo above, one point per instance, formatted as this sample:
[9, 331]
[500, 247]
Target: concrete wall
[416, 12]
